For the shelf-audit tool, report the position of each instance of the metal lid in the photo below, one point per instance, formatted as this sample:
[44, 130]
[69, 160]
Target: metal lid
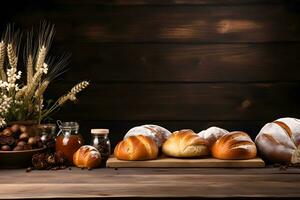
[100, 131]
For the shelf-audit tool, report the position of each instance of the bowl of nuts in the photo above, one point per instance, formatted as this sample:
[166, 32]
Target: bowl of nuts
[18, 143]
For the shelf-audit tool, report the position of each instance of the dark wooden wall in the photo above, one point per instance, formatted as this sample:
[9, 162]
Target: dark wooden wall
[176, 63]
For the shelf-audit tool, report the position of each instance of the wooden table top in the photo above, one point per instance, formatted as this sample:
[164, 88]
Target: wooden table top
[150, 183]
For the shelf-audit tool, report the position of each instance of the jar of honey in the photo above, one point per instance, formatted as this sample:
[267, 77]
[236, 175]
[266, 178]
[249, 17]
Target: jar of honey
[68, 140]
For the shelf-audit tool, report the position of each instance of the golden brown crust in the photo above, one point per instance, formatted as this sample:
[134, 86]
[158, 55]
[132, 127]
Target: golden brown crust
[87, 157]
[234, 145]
[185, 143]
[138, 147]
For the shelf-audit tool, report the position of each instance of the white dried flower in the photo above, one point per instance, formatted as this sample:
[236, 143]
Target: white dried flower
[2, 122]
[5, 103]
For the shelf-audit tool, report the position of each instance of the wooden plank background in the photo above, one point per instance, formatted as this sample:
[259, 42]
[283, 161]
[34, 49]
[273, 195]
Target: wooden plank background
[177, 63]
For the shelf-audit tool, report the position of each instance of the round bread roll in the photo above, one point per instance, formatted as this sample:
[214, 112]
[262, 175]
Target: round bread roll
[157, 133]
[279, 141]
[185, 143]
[212, 134]
[87, 157]
[233, 146]
[138, 147]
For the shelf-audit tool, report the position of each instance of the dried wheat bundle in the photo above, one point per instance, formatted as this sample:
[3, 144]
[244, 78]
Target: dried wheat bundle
[41, 69]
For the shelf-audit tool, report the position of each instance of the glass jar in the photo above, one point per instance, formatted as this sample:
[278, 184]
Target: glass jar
[101, 141]
[47, 134]
[68, 140]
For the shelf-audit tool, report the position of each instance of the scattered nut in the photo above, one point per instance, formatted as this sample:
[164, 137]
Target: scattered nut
[28, 169]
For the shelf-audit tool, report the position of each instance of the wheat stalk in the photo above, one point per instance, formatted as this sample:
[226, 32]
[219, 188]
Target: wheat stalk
[72, 94]
[35, 81]
[41, 57]
[21, 92]
[79, 87]
[29, 69]
[12, 58]
[41, 89]
[2, 58]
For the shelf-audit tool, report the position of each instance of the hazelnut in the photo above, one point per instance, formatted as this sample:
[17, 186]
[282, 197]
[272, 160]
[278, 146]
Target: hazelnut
[18, 148]
[27, 147]
[5, 148]
[7, 132]
[21, 143]
[23, 128]
[32, 141]
[15, 128]
[24, 136]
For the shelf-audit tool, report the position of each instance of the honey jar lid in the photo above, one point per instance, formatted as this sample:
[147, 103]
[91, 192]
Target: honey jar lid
[100, 131]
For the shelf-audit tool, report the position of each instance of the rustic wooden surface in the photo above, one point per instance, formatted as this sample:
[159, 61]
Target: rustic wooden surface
[176, 63]
[185, 163]
[151, 183]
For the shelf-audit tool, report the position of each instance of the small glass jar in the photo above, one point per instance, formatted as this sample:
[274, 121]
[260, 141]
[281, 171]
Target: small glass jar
[101, 142]
[68, 140]
[47, 134]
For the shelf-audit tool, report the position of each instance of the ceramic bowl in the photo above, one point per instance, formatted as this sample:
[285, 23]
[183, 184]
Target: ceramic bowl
[17, 159]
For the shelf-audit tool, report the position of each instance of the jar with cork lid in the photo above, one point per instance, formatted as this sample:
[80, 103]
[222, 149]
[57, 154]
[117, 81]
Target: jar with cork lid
[101, 141]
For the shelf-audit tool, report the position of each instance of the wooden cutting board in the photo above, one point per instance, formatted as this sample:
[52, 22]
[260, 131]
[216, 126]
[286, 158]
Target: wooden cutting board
[112, 162]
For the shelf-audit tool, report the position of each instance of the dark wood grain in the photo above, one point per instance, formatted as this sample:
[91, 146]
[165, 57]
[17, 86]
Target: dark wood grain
[167, 24]
[176, 63]
[192, 101]
[133, 183]
[183, 63]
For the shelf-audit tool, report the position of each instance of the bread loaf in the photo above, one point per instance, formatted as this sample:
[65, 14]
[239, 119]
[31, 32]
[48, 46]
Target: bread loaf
[157, 133]
[212, 134]
[279, 141]
[185, 143]
[138, 147]
[87, 157]
[234, 145]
